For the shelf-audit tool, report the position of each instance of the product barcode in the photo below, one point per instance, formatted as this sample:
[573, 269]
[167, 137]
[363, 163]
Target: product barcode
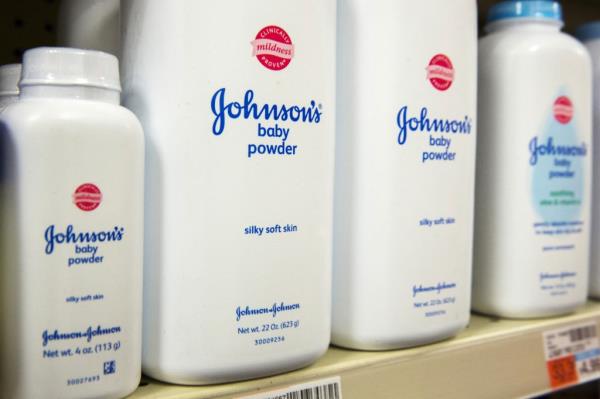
[326, 388]
[328, 391]
[579, 334]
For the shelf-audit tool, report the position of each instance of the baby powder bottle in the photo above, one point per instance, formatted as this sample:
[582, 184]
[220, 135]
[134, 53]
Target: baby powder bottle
[92, 24]
[404, 171]
[237, 102]
[9, 80]
[71, 230]
[534, 164]
[589, 34]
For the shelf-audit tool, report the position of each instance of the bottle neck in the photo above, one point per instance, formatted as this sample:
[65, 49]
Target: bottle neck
[524, 24]
[89, 93]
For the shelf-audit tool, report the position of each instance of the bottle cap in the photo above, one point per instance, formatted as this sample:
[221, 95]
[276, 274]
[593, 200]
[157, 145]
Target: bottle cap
[526, 9]
[589, 31]
[9, 79]
[65, 66]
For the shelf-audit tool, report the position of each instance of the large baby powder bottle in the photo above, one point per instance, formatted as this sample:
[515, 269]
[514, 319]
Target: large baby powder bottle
[9, 84]
[237, 101]
[404, 171]
[589, 34]
[91, 24]
[71, 228]
[534, 164]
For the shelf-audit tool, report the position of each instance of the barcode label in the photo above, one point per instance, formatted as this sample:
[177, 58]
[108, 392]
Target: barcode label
[572, 354]
[579, 334]
[329, 391]
[330, 388]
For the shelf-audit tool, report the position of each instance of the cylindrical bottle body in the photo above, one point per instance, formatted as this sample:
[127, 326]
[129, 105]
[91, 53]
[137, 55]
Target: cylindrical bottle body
[533, 172]
[239, 122]
[404, 171]
[71, 234]
[593, 47]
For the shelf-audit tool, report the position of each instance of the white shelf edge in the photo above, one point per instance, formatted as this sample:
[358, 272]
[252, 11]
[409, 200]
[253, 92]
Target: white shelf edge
[491, 358]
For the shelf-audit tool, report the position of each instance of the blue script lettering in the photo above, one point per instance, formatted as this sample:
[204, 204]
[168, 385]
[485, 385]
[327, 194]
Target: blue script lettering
[250, 110]
[549, 148]
[88, 334]
[423, 123]
[433, 288]
[273, 310]
[71, 237]
[559, 276]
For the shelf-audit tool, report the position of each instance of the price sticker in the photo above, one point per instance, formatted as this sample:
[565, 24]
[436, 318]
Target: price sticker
[572, 354]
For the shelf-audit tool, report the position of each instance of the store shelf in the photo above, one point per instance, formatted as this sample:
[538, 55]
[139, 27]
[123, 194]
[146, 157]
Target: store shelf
[492, 358]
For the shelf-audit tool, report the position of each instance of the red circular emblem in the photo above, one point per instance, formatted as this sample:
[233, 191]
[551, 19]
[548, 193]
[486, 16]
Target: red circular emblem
[87, 197]
[273, 48]
[440, 72]
[563, 110]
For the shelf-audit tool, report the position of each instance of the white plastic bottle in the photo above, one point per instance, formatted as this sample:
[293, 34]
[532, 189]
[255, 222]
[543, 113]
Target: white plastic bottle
[534, 163]
[90, 24]
[237, 102]
[589, 34]
[9, 80]
[404, 171]
[71, 231]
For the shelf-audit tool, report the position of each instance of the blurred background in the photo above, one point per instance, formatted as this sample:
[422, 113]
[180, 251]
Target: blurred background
[31, 23]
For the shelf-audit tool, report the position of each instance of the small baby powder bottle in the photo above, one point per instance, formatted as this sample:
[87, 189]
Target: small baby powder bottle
[533, 195]
[9, 81]
[589, 34]
[71, 231]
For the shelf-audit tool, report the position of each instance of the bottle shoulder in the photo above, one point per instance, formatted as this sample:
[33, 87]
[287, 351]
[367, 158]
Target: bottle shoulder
[522, 43]
[32, 113]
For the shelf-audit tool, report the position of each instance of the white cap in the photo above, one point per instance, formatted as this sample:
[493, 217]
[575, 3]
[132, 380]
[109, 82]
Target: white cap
[9, 79]
[63, 66]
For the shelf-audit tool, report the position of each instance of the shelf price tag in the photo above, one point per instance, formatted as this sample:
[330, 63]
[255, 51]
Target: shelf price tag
[329, 388]
[572, 354]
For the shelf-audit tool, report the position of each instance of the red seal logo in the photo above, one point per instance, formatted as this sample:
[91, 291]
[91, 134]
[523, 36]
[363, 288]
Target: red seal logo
[87, 197]
[563, 110]
[273, 48]
[440, 72]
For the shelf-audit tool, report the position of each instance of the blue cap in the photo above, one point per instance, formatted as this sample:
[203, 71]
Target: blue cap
[530, 9]
[589, 31]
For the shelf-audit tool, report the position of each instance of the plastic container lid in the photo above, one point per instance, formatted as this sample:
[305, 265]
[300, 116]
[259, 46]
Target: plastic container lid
[64, 66]
[9, 79]
[526, 9]
[589, 31]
